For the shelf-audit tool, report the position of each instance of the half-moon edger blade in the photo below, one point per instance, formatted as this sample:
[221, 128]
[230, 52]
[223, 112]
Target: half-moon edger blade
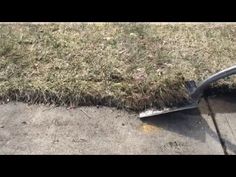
[190, 87]
[151, 113]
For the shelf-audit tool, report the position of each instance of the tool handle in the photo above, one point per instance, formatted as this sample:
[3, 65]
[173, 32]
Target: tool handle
[204, 84]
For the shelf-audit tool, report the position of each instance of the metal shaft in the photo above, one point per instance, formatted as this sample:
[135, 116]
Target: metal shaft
[196, 95]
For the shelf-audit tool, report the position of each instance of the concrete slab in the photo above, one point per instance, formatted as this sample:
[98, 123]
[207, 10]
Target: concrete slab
[224, 109]
[38, 129]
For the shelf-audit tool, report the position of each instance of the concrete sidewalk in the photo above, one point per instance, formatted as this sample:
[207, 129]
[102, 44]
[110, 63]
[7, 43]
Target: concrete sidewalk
[224, 114]
[38, 129]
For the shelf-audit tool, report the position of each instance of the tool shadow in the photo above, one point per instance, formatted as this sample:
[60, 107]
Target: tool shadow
[195, 123]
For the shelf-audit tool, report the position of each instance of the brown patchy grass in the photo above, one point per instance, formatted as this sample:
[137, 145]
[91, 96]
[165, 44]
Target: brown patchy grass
[132, 66]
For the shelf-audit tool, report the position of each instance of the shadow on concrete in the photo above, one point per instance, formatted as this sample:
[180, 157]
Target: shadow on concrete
[187, 123]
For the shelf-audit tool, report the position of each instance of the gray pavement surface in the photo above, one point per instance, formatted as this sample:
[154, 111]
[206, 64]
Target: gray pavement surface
[38, 129]
[224, 112]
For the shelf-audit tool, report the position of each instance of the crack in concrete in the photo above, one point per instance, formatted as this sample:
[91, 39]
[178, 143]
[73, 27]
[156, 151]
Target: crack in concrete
[212, 114]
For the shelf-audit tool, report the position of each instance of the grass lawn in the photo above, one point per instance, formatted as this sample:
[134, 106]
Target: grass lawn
[131, 66]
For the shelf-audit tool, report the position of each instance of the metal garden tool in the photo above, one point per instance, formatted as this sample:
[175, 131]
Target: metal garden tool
[195, 92]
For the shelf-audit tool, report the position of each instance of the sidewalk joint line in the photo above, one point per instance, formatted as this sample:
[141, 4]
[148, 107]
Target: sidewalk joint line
[212, 114]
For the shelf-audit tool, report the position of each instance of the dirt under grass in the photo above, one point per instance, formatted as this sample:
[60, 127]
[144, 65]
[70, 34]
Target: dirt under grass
[132, 66]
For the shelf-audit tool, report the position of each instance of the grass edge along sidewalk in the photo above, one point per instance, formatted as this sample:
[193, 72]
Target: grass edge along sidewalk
[131, 66]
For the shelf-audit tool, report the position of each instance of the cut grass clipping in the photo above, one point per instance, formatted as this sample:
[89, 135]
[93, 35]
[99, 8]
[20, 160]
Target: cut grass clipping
[131, 66]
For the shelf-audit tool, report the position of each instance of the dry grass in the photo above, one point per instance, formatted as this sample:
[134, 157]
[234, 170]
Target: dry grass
[130, 66]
